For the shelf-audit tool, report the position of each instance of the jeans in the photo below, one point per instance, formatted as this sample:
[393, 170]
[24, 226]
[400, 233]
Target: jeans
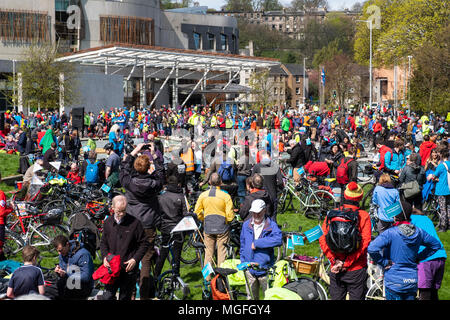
[164, 252]
[241, 188]
[391, 295]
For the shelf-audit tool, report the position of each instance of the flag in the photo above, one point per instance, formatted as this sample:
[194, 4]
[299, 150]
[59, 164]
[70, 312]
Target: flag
[207, 270]
[393, 210]
[297, 240]
[322, 75]
[290, 244]
[314, 233]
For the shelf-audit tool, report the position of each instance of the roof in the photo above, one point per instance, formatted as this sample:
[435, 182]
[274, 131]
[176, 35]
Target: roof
[215, 88]
[277, 70]
[125, 55]
[294, 69]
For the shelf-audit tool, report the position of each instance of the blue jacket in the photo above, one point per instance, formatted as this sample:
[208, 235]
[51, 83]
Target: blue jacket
[425, 223]
[384, 196]
[263, 254]
[442, 185]
[394, 160]
[400, 246]
[81, 258]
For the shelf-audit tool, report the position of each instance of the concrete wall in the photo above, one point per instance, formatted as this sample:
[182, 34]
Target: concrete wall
[97, 91]
[172, 35]
[10, 50]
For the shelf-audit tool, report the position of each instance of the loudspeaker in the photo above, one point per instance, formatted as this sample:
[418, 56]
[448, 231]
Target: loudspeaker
[2, 121]
[78, 118]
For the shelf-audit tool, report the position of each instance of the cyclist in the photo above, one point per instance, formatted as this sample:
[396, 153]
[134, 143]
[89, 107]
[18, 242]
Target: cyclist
[259, 235]
[397, 251]
[349, 270]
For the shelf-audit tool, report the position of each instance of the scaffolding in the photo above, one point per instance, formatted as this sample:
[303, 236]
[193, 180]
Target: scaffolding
[24, 26]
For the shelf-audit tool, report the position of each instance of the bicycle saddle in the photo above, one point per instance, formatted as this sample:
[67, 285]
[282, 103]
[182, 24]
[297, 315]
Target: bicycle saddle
[225, 271]
[198, 245]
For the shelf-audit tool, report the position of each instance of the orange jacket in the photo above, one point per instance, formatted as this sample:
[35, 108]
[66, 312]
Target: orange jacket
[355, 260]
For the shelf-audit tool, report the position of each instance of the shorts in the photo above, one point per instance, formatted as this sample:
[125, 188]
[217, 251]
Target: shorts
[431, 273]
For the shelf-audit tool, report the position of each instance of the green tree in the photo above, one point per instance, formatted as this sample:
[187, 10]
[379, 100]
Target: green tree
[307, 5]
[261, 89]
[40, 74]
[405, 26]
[431, 77]
[239, 5]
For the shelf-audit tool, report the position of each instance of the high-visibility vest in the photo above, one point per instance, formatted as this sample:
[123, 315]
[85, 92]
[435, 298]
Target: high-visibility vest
[188, 159]
[213, 121]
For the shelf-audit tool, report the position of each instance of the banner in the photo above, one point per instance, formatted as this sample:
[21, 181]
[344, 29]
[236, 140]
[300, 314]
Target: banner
[297, 240]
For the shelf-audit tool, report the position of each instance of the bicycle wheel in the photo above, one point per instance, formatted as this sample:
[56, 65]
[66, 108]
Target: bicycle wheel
[171, 287]
[67, 207]
[431, 209]
[188, 253]
[13, 243]
[375, 292]
[319, 203]
[43, 236]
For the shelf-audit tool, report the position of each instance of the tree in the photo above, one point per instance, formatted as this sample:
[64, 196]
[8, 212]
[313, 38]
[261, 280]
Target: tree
[431, 76]
[405, 26]
[239, 5]
[268, 5]
[340, 73]
[40, 74]
[261, 89]
[307, 5]
[168, 4]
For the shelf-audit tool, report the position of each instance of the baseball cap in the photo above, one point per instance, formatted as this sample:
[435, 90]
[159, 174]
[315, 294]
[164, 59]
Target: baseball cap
[257, 206]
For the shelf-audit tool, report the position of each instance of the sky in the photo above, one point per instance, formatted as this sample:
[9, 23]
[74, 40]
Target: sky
[333, 4]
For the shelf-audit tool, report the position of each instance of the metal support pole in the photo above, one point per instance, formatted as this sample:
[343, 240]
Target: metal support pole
[106, 66]
[196, 86]
[304, 76]
[175, 87]
[227, 85]
[144, 85]
[370, 65]
[162, 86]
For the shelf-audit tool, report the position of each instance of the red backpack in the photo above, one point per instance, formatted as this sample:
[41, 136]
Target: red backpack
[342, 172]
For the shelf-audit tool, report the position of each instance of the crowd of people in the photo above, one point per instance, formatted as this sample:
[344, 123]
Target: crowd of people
[410, 165]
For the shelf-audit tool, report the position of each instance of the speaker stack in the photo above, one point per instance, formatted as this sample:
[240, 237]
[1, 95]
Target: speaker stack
[78, 118]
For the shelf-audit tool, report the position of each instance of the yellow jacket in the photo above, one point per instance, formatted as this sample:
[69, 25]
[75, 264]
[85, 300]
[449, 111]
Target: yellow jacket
[215, 208]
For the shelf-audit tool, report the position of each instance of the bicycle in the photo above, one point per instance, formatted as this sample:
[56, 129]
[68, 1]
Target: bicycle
[170, 286]
[375, 281]
[29, 226]
[316, 202]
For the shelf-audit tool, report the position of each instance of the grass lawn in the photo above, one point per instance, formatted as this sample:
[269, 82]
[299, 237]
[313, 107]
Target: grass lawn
[192, 275]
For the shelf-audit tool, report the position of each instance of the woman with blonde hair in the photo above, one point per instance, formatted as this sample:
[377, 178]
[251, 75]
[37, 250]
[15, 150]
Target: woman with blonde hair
[115, 137]
[384, 195]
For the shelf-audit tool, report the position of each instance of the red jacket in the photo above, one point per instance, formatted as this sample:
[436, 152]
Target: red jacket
[73, 177]
[355, 260]
[425, 150]
[377, 127]
[317, 168]
[4, 209]
[383, 151]
[108, 276]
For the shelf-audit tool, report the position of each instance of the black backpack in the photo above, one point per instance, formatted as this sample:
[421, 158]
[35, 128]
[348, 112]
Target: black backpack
[343, 230]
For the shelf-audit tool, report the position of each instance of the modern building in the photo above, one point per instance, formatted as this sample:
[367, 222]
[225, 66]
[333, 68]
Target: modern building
[85, 25]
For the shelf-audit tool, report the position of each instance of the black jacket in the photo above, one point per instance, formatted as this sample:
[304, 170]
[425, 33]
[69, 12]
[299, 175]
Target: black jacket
[297, 158]
[173, 208]
[247, 204]
[272, 180]
[126, 239]
[141, 191]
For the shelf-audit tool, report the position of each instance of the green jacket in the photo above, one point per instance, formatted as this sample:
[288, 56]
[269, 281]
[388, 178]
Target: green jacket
[285, 124]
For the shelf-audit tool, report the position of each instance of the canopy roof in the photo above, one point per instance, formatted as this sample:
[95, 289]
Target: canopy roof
[126, 55]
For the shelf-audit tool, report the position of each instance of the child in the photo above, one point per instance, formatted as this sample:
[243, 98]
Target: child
[73, 175]
[27, 278]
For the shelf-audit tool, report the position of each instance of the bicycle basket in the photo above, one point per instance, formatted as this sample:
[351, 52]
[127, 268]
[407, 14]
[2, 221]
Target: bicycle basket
[53, 216]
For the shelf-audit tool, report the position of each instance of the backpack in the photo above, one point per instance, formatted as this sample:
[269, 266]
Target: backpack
[226, 171]
[87, 238]
[306, 288]
[343, 230]
[342, 172]
[91, 172]
[219, 288]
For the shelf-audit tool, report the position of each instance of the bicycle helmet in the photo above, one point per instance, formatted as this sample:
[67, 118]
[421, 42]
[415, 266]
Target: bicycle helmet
[109, 146]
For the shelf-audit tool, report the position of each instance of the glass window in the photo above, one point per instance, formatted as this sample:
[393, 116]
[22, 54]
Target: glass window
[223, 42]
[197, 40]
[211, 41]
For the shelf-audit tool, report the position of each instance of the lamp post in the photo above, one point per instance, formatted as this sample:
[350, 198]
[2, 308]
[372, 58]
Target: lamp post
[304, 77]
[370, 60]
[409, 82]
